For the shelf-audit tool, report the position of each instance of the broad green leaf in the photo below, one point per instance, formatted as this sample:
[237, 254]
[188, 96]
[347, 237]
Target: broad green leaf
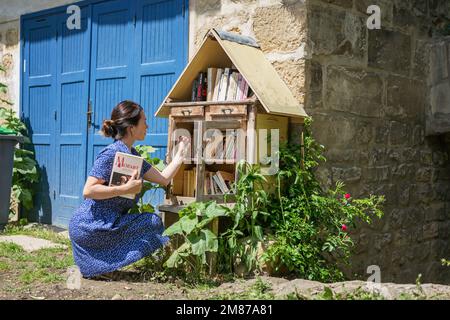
[175, 258]
[188, 224]
[173, 229]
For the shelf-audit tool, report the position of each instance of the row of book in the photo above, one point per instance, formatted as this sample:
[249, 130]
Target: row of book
[220, 84]
[216, 183]
[222, 149]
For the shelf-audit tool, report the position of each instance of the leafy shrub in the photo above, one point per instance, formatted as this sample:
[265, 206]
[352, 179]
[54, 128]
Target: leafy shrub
[310, 224]
[25, 174]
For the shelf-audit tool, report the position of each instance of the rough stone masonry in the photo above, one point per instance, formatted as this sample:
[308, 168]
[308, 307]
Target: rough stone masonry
[374, 97]
[379, 99]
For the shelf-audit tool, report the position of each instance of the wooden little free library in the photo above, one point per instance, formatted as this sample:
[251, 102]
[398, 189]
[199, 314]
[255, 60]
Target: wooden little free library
[237, 120]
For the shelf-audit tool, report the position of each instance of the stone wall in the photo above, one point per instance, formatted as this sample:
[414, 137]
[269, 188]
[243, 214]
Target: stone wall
[10, 12]
[438, 113]
[368, 93]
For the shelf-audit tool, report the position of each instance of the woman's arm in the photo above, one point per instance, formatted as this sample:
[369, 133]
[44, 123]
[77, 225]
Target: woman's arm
[164, 177]
[95, 189]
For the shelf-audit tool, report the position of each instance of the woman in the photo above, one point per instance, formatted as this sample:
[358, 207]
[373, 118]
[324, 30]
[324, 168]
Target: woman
[104, 237]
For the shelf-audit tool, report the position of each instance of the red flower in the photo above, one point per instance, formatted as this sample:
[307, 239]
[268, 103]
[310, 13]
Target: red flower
[344, 227]
[347, 196]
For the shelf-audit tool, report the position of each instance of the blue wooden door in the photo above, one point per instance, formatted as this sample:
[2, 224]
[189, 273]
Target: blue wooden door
[72, 61]
[111, 66]
[160, 52]
[125, 50]
[39, 106]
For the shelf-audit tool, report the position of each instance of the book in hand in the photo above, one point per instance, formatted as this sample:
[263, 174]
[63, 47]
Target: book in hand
[123, 168]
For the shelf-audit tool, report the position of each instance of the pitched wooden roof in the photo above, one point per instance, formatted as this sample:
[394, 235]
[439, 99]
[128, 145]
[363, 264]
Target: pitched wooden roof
[221, 49]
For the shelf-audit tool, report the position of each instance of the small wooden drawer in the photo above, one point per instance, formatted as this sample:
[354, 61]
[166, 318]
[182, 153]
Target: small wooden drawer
[224, 110]
[187, 111]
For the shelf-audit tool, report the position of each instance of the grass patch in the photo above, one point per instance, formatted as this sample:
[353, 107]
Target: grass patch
[43, 266]
[38, 231]
[4, 266]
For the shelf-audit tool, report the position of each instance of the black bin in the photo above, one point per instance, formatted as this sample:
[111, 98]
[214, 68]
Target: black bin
[7, 144]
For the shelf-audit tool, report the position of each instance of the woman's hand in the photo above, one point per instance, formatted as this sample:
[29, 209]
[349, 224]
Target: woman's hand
[184, 144]
[134, 185]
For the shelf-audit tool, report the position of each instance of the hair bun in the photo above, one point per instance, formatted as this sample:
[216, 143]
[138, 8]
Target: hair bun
[109, 129]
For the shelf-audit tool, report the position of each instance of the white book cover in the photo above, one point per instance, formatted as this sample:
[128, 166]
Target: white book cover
[224, 85]
[211, 77]
[217, 84]
[239, 88]
[231, 94]
[124, 166]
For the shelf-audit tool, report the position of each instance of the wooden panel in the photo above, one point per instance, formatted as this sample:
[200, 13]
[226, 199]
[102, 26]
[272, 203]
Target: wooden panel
[187, 111]
[227, 110]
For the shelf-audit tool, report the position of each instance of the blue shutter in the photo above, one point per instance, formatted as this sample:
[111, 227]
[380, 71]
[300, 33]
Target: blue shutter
[111, 66]
[39, 105]
[160, 54]
[72, 100]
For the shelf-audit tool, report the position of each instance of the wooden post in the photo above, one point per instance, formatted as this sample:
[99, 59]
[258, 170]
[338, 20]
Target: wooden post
[200, 178]
[251, 140]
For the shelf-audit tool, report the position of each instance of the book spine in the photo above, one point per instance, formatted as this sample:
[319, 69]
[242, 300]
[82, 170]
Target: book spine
[194, 91]
[224, 85]
[217, 84]
[245, 90]
[199, 88]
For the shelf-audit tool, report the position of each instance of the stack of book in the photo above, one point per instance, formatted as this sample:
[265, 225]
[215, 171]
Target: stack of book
[219, 84]
[199, 88]
[216, 183]
[223, 149]
[219, 182]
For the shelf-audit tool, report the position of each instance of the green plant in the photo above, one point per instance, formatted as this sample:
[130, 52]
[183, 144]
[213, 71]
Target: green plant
[310, 224]
[198, 238]
[25, 174]
[141, 206]
[248, 215]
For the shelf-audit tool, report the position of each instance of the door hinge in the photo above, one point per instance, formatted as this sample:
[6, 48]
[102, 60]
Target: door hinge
[134, 21]
[54, 195]
[56, 35]
[24, 65]
[55, 114]
[184, 8]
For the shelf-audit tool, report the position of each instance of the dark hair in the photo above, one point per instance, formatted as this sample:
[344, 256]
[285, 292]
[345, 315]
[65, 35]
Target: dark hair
[125, 114]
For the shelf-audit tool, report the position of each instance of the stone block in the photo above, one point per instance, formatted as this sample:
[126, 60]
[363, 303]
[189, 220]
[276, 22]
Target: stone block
[333, 32]
[440, 99]
[280, 28]
[347, 175]
[12, 37]
[424, 174]
[398, 133]
[405, 98]
[377, 174]
[334, 132]
[403, 170]
[431, 230]
[439, 69]
[354, 91]
[364, 133]
[435, 212]
[421, 60]
[390, 51]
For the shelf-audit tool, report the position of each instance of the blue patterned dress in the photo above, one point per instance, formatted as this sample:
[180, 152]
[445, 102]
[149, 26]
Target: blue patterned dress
[104, 236]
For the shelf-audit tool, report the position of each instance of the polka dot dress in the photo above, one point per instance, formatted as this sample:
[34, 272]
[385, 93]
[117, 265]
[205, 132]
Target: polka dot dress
[105, 237]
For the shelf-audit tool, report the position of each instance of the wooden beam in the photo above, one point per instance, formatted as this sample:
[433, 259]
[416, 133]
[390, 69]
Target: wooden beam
[208, 103]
